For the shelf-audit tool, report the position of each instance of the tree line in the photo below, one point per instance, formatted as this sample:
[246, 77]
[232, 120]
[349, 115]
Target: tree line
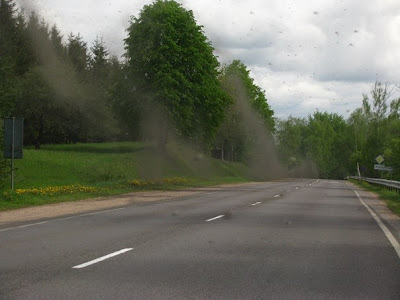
[339, 147]
[170, 84]
[63, 89]
[59, 88]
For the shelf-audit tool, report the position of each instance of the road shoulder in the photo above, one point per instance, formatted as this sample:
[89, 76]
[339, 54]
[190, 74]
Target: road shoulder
[380, 208]
[64, 209]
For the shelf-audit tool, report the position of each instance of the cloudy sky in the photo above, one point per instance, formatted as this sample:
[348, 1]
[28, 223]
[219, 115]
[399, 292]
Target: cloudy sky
[306, 54]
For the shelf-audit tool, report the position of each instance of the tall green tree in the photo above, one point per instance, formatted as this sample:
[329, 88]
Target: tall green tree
[121, 98]
[9, 82]
[8, 27]
[358, 130]
[98, 62]
[16, 57]
[78, 54]
[100, 70]
[36, 105]
[371, 128]
[231, 138]
[174, 71]
[56, 40]
[328, 144]
[240, 129]
[290, 135]
[392, 144]
[254, 94]
[322, 141]
[245, 134]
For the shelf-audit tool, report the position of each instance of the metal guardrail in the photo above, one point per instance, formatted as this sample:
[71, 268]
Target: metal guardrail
[389, 184]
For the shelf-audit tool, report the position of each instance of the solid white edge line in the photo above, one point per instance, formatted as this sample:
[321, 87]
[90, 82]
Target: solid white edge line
[23, 226]
[254, 204]
[385, 230]
[62, 219]
[102, 258]
[217, 217]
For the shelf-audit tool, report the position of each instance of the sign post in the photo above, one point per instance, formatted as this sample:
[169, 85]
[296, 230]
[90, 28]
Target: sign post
[13, 141]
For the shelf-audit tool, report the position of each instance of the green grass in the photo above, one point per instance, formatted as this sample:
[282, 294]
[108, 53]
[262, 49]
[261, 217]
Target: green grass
[391, 198]
[86, 164]
[106, 169]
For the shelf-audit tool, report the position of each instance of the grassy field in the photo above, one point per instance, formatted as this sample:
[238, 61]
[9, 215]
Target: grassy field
[58, 173]
[390, 197]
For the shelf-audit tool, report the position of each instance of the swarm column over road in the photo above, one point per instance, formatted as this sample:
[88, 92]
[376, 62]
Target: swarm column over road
[314, 240]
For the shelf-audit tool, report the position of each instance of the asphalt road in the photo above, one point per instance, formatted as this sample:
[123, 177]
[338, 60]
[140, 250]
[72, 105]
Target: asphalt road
[282, 240]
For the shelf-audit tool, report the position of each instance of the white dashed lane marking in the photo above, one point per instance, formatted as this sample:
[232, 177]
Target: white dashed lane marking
[215, 218]
[102, 258]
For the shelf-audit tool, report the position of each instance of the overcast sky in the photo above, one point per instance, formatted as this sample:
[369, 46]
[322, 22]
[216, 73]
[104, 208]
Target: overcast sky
[306, 54]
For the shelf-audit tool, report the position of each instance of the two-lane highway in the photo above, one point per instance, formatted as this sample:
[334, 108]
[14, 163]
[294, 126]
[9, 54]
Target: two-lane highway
[299, 239]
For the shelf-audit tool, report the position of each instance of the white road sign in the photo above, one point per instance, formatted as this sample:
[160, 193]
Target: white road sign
[383, 168]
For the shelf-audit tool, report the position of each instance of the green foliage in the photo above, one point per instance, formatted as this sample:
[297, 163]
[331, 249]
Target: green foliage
[99, 63]
[240, 129]
[290, 136]
[173, 70]
[13, 61]
[392, 156]
[46, 119]
[375, 130]
[322, 138]
[254, 94]
[328, 144]
[13, 58]
[122, 101]
[48, 83]
[56, 41]
[78, 54]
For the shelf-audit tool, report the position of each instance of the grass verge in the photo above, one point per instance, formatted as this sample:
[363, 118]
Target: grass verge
[59, 173]
[21, 198]
[391, 198]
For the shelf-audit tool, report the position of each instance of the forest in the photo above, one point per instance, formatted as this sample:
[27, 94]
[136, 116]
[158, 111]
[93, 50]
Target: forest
[170, 85]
